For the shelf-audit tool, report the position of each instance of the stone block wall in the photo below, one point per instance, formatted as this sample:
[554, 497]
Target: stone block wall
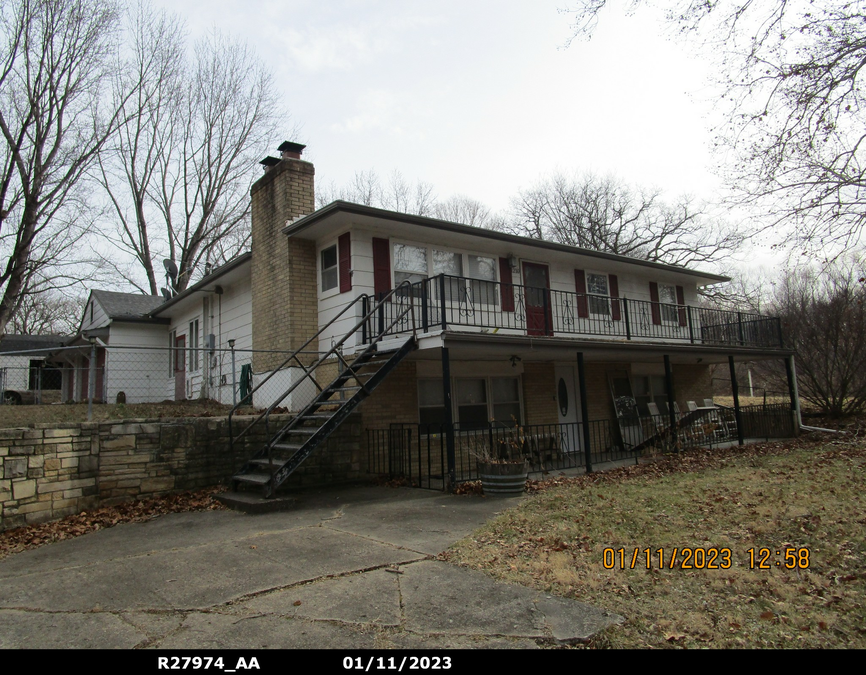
[54, 471]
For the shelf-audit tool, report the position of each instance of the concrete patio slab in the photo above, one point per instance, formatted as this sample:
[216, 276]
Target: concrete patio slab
[344, 569]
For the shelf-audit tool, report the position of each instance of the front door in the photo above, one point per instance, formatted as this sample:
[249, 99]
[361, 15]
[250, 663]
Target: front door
[180, 368]
[568, 408]
[537, 294]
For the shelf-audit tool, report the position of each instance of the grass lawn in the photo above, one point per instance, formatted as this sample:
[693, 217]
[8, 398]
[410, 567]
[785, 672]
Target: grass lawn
[807, 495]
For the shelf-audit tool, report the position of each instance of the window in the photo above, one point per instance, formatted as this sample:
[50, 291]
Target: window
[668, 298]
[505, 392]
[451, 264]
[431, 403]
[596, 285]
[172, 337]
[410, 263]
[477, 401]
[482, 271]
[330, 276]
[472, 403]
[193, 345]
[416, 263]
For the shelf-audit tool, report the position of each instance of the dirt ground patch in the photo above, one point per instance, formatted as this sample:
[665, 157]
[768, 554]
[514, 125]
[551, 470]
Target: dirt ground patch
[806, 496]
[14, 416]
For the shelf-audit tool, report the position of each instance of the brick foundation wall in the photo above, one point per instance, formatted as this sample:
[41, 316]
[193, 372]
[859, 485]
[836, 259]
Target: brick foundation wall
[539, 393]
[692, 383]
[54, 471]
[394, 401]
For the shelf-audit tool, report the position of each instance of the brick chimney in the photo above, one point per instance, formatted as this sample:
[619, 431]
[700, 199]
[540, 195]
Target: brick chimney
[284, 298]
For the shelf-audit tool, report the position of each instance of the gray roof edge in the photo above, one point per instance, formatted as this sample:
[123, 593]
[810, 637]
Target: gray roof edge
[359, 209]
[225, 268]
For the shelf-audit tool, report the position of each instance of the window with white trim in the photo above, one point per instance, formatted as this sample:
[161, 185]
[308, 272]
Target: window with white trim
[330, 271]
[668, 300]
[482, 272]
[599, 293]
[193, 346]
[451, 264]
[477, 401]
[410, 263]
[415, 263]
[431, 404]
[172, 340]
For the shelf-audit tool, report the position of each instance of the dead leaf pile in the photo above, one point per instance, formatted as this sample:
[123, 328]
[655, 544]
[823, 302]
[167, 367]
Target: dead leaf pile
[32, 536]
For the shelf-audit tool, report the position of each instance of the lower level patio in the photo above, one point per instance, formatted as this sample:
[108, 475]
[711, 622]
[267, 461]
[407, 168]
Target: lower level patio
[420, 453]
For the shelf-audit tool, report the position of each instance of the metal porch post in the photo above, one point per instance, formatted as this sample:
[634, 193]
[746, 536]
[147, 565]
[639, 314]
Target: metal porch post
[584, 411]
[672, 413]
[735, 388]
[791, 371]
[449, 419]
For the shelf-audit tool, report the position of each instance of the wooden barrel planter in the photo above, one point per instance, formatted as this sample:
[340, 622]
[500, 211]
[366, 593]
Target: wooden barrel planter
[506, 479]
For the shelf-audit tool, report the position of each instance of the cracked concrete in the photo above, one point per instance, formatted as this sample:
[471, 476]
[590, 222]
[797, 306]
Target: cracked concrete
[344, 569]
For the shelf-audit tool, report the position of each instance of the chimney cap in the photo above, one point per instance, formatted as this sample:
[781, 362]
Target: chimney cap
[288, 146]
[269, 161]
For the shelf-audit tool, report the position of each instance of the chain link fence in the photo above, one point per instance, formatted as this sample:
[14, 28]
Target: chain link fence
[142, 374]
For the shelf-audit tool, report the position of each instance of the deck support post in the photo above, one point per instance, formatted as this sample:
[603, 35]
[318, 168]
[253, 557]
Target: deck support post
[449, 420]
[735, 389]
[791, 371]
[584, 411]
[672, 413]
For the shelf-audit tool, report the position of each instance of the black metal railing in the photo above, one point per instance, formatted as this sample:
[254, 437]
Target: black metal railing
[418, 452]
[447, 301]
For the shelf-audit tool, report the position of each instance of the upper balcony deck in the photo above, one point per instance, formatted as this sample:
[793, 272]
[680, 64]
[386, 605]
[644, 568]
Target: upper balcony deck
[447, 302]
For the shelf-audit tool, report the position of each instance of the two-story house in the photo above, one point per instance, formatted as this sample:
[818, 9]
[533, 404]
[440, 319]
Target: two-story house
[575, 347]
[446, 337]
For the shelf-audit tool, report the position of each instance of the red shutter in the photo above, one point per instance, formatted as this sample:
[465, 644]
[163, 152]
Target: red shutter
[344, 253]
[505, 288]
[681, 310]
[381, 266]
[615, 312]
[656, 309]
[580, 287]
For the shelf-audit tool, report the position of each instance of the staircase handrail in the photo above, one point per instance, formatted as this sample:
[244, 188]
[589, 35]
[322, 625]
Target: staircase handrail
[334, 348]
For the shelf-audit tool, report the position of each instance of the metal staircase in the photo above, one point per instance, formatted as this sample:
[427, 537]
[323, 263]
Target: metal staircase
[334, 400]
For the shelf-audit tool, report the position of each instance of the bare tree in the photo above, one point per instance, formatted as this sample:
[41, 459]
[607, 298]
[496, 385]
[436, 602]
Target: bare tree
[47, 313]
[823, 314]
[180, 169]
[55, 59]
[795, 107]
[603, 214]
[463, 209]
[396, 194]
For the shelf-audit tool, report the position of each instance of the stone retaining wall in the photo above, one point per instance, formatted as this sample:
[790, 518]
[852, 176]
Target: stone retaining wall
[52, 471]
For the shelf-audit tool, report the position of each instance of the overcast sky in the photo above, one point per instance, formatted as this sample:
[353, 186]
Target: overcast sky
[478, 98]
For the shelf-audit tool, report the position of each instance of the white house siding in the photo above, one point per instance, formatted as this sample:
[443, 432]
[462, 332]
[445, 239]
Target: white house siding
[634, 281]
[136, 363]
[332, 302]
[229, 317]
[100, 318]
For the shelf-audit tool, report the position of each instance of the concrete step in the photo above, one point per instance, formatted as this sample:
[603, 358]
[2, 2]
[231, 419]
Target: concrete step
[253, 502]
